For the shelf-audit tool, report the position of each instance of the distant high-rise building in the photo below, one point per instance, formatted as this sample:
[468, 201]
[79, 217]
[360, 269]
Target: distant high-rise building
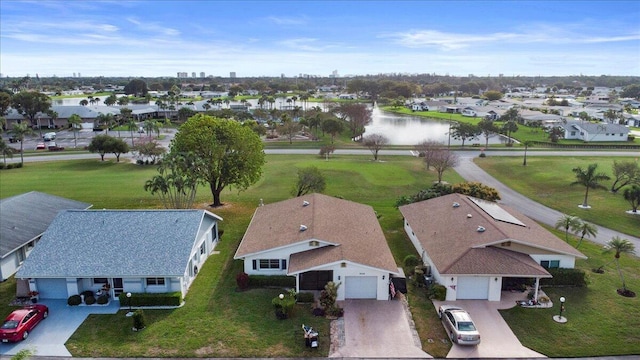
[182, 75]
[79, 75]
[74, 74]
[202, 74]
[232, 74]
[334, 74]
[193, 74]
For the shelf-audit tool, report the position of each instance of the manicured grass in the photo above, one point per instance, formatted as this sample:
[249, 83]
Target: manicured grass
[600, 322]
[217, 321]
[546, 180]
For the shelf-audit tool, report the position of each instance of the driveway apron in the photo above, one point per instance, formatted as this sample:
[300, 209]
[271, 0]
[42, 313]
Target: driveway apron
[378, 329]
[48, 338]
[497, 339]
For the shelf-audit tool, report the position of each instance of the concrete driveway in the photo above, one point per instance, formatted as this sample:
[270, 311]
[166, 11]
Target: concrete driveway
[48, 338]
[378, 329]
[497, 339]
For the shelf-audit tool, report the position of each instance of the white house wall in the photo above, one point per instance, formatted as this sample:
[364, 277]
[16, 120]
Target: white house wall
[566, 261]
[280, 253]
[8, 266]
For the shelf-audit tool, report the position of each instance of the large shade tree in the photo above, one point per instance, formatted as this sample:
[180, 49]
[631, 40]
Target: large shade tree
[310, 180]
[590, 179]
[30, 104]
[632, 195]
[234, 154]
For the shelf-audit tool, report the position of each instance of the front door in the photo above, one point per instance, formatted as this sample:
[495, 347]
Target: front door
[117, 287]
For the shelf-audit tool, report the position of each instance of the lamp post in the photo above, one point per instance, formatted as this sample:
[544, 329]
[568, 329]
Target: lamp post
[559, 318]
[129, 300]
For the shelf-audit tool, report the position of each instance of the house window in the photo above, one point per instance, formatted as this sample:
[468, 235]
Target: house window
[550, 264]
[20, 254]
[202, 249]
[155, 281]
[100, 281]
[269, 263]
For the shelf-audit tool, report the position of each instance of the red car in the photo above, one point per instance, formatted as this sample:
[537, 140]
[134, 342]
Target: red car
[20, 322]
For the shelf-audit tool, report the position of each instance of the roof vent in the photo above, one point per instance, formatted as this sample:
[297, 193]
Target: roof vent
[469, 216]
[305, 203]
[303, 227]
[481, 229]
[455, 205]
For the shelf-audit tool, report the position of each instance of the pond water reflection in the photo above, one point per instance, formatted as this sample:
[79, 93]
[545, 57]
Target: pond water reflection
[410, 130]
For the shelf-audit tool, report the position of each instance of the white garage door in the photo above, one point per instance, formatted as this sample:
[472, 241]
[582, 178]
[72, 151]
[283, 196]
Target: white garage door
[361, 287]
[52, 288]
[473, 288]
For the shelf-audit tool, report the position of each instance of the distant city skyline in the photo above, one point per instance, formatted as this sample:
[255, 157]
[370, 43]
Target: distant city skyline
[318, 38]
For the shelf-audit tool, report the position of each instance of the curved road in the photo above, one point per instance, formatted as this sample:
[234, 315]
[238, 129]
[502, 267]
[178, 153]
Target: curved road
[467, 169]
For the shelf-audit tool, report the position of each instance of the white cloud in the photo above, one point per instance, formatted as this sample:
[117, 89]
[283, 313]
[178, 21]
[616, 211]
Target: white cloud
[287, 20]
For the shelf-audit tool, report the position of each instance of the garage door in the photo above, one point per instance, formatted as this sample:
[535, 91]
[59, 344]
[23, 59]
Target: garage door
[473, 288]
[52, 288]
[361, 287]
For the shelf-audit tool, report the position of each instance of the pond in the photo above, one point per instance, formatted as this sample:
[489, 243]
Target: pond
[410, 130]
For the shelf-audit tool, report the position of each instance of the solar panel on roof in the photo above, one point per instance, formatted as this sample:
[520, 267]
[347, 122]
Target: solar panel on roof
[496, 212]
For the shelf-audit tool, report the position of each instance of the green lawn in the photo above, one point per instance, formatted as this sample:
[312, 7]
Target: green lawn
[546, 180]
[600, 322]
[217, 321]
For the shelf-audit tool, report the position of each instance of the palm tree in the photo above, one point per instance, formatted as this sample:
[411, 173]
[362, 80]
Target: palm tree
[568, 222]
[5, 150]
[84, 102]
[590, 180]
[131, 126]
[75, 121]
[620, 246]
[586, 229]
[19, 131]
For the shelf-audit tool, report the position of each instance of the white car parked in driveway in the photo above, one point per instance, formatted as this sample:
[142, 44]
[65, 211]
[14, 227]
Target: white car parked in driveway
[458, 324]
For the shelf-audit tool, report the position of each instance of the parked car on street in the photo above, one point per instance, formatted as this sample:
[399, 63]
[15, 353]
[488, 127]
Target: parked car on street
[49, 136]
[21, 322]
[458, 324]
[40, 146]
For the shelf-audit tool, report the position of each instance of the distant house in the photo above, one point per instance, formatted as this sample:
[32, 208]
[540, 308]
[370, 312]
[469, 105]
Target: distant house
[153, 251]
[476, 248]
[316, 239]
[348, 96]
[23, 219]
[589, 132]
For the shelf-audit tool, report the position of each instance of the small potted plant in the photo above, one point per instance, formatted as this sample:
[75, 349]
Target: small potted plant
[34, 296]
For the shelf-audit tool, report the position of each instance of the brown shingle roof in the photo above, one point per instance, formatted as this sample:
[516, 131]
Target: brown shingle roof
[447, 233]
[352, 227]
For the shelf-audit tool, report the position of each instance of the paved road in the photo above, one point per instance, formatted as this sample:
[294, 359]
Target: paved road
[467, 169]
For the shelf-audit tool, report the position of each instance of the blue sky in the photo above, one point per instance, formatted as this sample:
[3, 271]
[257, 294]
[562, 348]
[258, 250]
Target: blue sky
[269, 38]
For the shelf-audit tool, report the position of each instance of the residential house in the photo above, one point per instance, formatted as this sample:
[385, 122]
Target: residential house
[589, 132]
[23, 219]
[318, 238]
[153, 251]
[475, 248]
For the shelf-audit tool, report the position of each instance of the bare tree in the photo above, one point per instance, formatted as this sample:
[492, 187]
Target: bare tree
[375, 142]
[442, 160]
[426, 150]
[357, 115]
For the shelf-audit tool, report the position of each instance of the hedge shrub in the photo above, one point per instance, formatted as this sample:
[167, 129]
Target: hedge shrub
[411, 261]
[275, 281]
[565, 277]
[138, 320]
[305, 297]
[148, 299]
[74, 300]
[89, 300]
[438, 292]
[103, 299]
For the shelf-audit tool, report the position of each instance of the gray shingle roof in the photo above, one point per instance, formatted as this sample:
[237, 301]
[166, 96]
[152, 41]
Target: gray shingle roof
[118, 243]
[24, 217]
